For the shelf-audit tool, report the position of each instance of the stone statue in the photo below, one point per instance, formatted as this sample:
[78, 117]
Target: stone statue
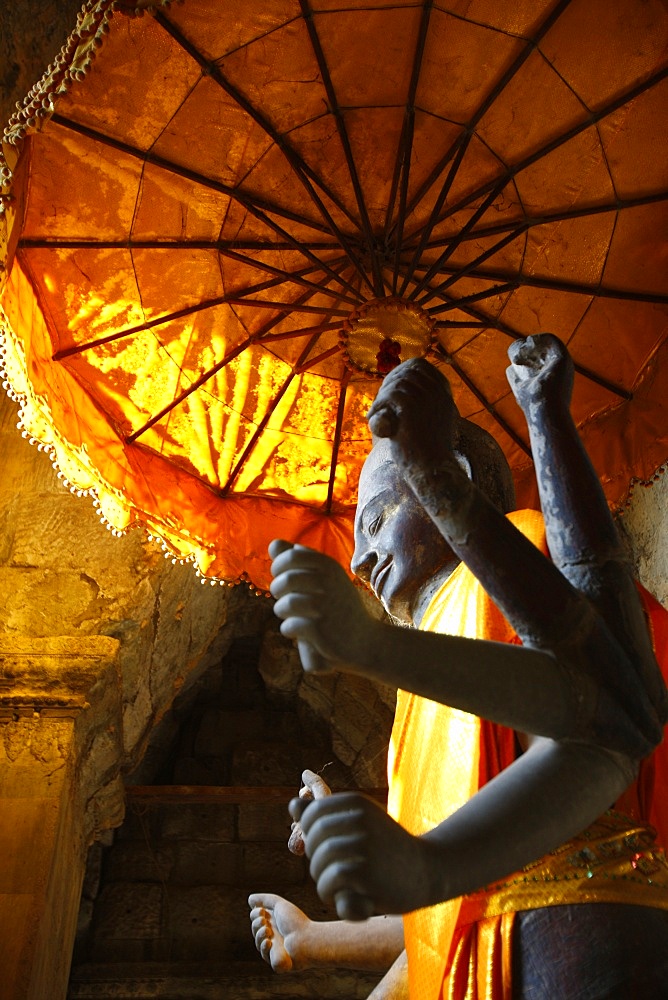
[490, 822]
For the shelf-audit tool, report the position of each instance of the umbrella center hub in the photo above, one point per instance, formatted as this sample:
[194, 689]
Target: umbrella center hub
[382, 333]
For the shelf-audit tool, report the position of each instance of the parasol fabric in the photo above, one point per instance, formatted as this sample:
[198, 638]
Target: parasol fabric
[223, 229]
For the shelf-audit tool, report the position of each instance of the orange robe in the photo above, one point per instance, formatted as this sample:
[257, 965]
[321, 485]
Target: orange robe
[439, 757]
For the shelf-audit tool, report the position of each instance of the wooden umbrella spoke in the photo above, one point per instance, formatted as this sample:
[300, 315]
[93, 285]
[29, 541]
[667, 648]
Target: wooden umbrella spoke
[462, 145]
[221, 246]
[449, 250]
[532, 221]
[303, 332]
[487, 103]
[209, 373]
[457, 324]
[336, 443]
[592, 118]
[558, 285]
[286, 307]
[235, 298]
[405, 149]
[483, 321]
[486, 293]
[257, 207]
[271, 409]
[257, 434]
[302, 170]
[307, 14]
[312, 362]
[472, 265]
[480, 396]
[257, 338]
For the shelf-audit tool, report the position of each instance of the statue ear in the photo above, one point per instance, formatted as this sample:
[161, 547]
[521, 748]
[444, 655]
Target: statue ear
[485, 464]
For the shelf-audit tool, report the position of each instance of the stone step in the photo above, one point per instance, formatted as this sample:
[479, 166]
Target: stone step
[203, 981]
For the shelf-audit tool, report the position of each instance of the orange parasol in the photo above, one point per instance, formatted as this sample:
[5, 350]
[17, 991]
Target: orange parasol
[223, 229]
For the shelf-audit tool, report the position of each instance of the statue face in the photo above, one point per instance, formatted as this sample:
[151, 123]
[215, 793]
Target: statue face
[398, 549]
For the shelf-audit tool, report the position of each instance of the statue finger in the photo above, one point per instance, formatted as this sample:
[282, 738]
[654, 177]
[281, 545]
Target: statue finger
[278, 546]
[263, 935]
[296, 581]
[318, 788]
[346, 877]
[299, 604]
[300, 557]
[308, 812]
[331, 834]
[353, 905]
[384, 422]
[303, 629]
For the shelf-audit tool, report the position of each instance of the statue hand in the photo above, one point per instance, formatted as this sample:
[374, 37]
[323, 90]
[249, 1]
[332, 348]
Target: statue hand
[277, 925]
[541, 370]
[320, 608]
[414, 408]
[313, 788]
[360, 858]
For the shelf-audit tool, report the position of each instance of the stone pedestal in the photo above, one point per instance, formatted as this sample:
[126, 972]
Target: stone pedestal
[60, 752]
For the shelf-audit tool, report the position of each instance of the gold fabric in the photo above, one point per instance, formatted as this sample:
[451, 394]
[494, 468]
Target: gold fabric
[615, 860]
[434, 759]
[439, 757]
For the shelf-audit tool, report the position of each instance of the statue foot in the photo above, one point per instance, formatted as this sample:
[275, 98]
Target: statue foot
[276, 925]
[541, 370]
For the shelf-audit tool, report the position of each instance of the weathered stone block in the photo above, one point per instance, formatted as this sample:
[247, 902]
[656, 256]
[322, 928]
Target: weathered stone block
[272, 865]
[272, 763]
[134, 861]
[207, 863]
[208, 920]
[198, 822]
[129, 911]
[264, 821]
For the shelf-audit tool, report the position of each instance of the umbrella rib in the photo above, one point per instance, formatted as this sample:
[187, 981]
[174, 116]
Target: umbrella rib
[255, 338]
[491, 409]
[187, 311]
[405, 150]
[491, 322]
[449, 250]
[301, 168]
[336, 443]
[302, 332]
[457, 324]
[222, 246]
[335, 110]
[271, 409]
[531, 222]
[295, 159]
[230, 356]
[487, 293]
[496, 92]
[461, 145]
[312, 362]
[254, 205]
[285, 306]
[472, 265]
[553, 284]
[592, 119]
[257, 433]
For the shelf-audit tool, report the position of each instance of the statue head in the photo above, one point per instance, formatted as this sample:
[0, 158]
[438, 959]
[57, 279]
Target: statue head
[399, 551]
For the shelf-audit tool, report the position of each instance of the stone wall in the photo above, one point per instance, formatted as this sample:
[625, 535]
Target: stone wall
[164, 910]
